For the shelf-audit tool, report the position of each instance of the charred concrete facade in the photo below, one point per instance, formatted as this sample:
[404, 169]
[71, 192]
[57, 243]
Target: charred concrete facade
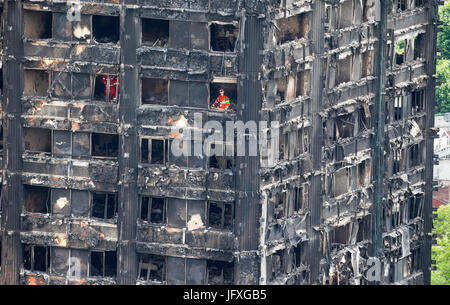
[92, 195]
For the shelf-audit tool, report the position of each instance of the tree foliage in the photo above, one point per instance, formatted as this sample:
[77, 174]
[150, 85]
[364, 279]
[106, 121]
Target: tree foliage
[443, 65]
[443, 39]
[441, 251]
[443, 87]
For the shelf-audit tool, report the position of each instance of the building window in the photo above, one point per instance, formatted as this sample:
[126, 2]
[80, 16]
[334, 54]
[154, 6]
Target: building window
[155, 91]
[280, 204]
[344, 70]
[345, 18]
[415, 155]
[301, 197]
[153, 209]
[417, 104]
[155, 32]
[292, 28]
[154, 151]
[400, 51]
[152, 267]
[105, 145]
[106, 88]
[344, 127]
[402, 5]
[37, 24]
[398, 160]
[37, 199]
[106, 29]
[104, 205]
[219, 273]
[36, 258]
[37, 140]
[222, 160]
[223, 37]
[230, 92]
[341, 181]
[220, 215]
[398, 108]
[36, 82]
[103, 263]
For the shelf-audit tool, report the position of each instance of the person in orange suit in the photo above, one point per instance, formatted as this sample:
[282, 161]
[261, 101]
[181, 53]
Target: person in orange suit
[113, 83]
[222, 102]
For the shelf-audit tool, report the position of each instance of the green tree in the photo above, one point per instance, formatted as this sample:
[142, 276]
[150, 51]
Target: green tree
[443, 39]
[443, 86]
[441, 251]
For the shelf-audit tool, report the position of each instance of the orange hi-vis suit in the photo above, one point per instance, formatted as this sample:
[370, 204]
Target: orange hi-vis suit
[223, 101]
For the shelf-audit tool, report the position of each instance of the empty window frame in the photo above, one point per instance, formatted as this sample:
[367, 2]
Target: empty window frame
[367, 63]
[398, 108]
[155, 91]
[416, 206]
[103, 263]
[400, 51]
[284, 146]
[37, 24]
[340, 235]
[419, 46]
[418, 3]
[37, 199]
[303, 83]
[415, 155]
[223, 37]
[36, 258]
[219, 273]
[153, 209]
[155, 150]
[223, 161]
[364, 115]
[277, 265]
[341, 181]
[280, 205]
[230, 91]
[106, 29]
[368, 10]
[345, 11]
[104, 205]
[344, 70]
[301, 197]
[402, 5]
[364, 229]
[64, 142]
[398, 156]
[417, 103]
[37, 140]
[69, 262]
[221, 215]
[292, 28]
[152, 267]
[106, 88]
[36, 82]
[105, 145]
[344, 126]
[364, 173]
[155, 32]
[300, 254]
[1, 74]
[70, 85]
[303, 141]
[286, 90]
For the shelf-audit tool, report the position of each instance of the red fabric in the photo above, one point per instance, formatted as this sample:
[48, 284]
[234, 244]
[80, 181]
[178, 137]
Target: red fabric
[113, 87]
[222, 101]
